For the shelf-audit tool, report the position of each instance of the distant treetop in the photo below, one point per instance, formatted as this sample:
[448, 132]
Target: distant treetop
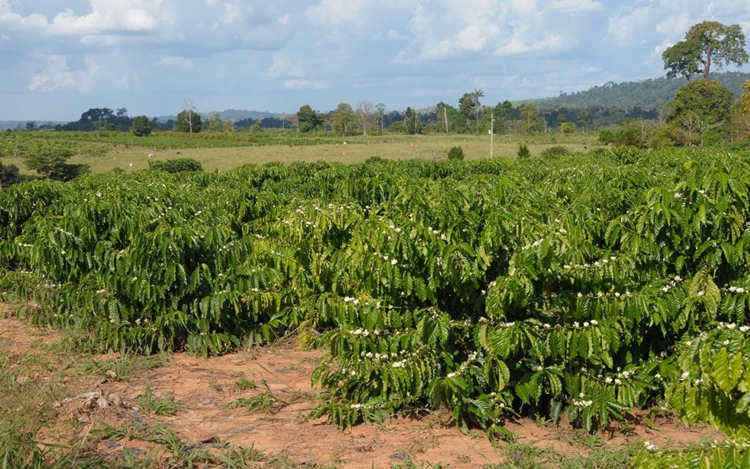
[706, 44]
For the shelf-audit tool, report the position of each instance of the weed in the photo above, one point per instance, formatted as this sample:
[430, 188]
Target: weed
[256, 404]
[527, 456]
[165, 405]
[582, 438]
[241, 457]
[25, 412]
[123, 368]
[244, 384]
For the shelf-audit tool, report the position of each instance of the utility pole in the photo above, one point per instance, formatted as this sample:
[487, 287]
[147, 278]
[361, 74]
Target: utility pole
[492, 136]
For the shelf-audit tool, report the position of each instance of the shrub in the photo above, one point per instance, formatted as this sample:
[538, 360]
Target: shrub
[142, 126]
[523, 152]
[606, 136]
[175, 166]
[555, 151]
[456, 153]
[568, 128]
[661, 137]
[52, 164]
[375, 160]
[9, 175]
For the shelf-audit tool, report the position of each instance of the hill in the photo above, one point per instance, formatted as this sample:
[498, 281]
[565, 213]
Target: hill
[228, 115]
[646, 94]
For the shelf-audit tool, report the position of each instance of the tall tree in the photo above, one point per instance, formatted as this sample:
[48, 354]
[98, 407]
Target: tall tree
[699, 107]
[584, 118]
[530, 118]
[342, 119]
[475, 95]
[142, 126]
[706, 44]
[188, 120]
[381, 114]
[215, 124]
[441, 110]
[308, 119]
[466, 108]
[412, 122]
[365, 115]
[504, 114]
[741, 114]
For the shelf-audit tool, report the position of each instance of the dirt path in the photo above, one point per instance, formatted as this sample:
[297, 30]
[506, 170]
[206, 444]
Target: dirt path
[207, 388]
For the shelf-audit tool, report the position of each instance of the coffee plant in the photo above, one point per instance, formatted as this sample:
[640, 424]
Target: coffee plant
[580, 286]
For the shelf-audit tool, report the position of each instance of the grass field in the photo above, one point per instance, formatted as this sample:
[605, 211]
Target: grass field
[355, 150]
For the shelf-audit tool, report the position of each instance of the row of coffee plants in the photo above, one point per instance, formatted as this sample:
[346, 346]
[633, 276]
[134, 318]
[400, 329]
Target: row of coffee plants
[23, 144]
[586, 285]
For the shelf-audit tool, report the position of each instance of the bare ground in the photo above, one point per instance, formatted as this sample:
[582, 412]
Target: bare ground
[207, 388]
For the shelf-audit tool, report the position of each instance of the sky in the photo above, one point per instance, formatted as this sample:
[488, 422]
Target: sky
[58, 58]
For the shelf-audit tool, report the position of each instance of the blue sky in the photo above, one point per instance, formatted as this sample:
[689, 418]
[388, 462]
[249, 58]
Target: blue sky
[59, 58]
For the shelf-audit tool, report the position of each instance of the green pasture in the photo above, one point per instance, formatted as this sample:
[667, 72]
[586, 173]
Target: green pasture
[236, 149]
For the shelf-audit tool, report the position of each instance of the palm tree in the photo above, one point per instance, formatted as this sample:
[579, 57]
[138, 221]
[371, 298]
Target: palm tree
[475, 95]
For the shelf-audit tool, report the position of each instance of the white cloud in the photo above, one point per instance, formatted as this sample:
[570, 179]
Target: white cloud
[5, 38]
[394, 35]
[283, 66]
[675, 27]
[174, 63]
[235, 13]
[123, 83]
[525, 7]
[105, 16]
[452, 29]
[517, 45]
[336, 12]
[108, 15]
[627, 28]
[100, 40]
[591, 69]
[284, 20]
[302, 84]
[57, 75]
[11, 20]
[574, 6]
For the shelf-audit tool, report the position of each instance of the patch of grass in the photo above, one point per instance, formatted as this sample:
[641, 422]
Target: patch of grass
[124, 368]
[165, 405]
[166, 444]
[582, 438]
[25, 410]
[527, 456]
[244, 384]
[264, 402]
[241, 457]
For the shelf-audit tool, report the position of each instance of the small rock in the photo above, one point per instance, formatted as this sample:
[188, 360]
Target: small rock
[400, 456]
[22, 379]
[116, 401]
[111, 374]
[111, 444]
